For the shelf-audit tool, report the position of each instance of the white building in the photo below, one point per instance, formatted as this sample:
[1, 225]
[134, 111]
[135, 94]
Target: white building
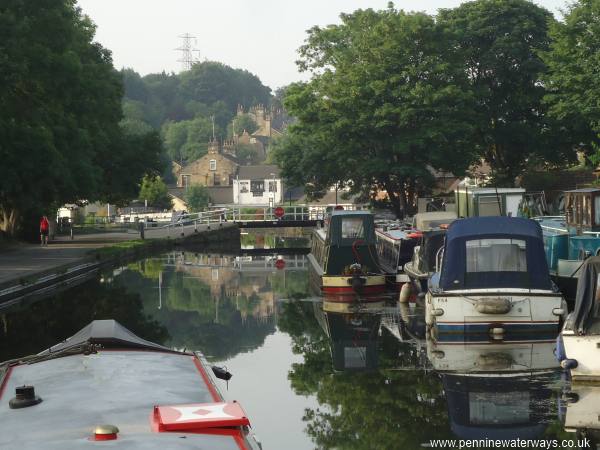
[258, 186]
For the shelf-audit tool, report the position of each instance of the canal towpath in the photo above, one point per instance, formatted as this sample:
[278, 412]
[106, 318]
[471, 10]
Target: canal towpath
[31, 268]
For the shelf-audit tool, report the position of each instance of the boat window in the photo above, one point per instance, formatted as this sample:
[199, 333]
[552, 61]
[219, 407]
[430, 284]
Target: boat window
[597, 210]
[496, 255]
[352, 228]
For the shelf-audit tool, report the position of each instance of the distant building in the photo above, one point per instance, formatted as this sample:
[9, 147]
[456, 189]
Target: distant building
[216, 168]
[258, 185]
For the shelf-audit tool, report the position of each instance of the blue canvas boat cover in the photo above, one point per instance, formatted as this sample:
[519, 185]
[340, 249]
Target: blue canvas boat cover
[494, 252]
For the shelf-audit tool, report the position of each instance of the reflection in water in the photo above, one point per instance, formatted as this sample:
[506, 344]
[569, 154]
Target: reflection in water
[362, 376]
[221, 304]
[582, 414]
[353, 331]
[30, 328]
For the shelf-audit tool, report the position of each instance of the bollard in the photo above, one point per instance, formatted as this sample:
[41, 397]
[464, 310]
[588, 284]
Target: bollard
[141, 227]
[71, 232]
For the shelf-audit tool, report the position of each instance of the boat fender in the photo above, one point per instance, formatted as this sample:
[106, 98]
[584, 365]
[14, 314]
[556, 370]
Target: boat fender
[569, 363]
[493, 306]
[24, 397]
[357, 282]
[221, 373]
[405, 293]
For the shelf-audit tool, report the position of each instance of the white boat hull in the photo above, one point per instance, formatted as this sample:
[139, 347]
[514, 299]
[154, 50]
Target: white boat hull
[524, 312]
[586, 351]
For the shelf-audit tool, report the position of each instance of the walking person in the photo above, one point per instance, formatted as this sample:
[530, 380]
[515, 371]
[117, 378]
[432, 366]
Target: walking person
[44, 230]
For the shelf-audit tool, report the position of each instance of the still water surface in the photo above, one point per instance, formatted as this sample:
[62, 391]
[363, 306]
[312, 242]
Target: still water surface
[310, 373]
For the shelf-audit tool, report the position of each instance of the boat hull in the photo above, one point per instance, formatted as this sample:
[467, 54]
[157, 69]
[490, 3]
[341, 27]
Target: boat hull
[525, 313]
[586, 351]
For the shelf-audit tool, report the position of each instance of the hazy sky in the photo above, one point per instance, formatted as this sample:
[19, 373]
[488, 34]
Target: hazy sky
[261, 36]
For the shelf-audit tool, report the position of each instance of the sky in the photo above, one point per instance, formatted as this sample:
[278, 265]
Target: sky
[261, 36]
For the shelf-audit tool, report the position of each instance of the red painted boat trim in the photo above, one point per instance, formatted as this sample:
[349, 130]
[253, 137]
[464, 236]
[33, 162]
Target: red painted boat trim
[211, 388]
[377, 288]
[5, 381]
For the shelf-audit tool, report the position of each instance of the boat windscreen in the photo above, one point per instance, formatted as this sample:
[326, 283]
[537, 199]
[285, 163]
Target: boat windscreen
[586, 314]
[477, 256]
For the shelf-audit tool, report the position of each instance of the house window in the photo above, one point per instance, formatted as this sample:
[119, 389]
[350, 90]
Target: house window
[216, 179]
[212, 164]
[272, 186]
[257, 188]
[185, 180]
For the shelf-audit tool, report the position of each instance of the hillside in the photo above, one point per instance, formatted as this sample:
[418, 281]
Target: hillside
[183, 106]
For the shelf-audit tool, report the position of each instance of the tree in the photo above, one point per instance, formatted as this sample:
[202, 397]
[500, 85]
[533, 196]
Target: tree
[155, 191]
[499, 42]
[241, 123]
[196, 198]
[573, 85]
[187, 140]
[60, 108]
[386, 100]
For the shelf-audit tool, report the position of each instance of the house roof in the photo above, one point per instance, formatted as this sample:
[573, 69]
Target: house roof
[261, 172]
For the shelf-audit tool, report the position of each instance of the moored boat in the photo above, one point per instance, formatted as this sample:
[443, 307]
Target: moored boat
[492, 278]
[572, 238]
[107, 384]
[395, 249]
[344, 256]
[581, 332]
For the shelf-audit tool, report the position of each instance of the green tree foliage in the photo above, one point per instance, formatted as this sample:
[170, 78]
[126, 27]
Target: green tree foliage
[60, 108]
[500, 42]
[386, 101]
[573, 84]
[196, 198]
[209, 89]
[156, 192]
[248, 154]
[241, 123]
[187, 140]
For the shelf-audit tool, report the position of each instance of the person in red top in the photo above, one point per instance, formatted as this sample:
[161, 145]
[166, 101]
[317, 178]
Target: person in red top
[44, 230]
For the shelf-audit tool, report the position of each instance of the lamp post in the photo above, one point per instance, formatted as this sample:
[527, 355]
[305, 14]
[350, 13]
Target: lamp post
[273, 188]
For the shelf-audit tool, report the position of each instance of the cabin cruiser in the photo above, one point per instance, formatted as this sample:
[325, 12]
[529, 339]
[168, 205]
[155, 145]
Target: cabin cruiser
[422, 265]
[343, 256]
[107, 384]
[581, 332]
[492, 278]
[395, 248]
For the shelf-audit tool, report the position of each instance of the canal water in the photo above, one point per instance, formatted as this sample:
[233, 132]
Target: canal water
[313, 374]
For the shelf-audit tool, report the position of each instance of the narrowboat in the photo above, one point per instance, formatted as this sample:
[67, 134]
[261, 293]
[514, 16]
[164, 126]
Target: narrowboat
[107, 384]
[394, 249]
[343, 255]
[352, 332]
[580, 335]
[492, 278]
[571, 238]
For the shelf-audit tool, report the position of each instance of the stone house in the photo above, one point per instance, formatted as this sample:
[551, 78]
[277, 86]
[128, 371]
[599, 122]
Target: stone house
[216, 168]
